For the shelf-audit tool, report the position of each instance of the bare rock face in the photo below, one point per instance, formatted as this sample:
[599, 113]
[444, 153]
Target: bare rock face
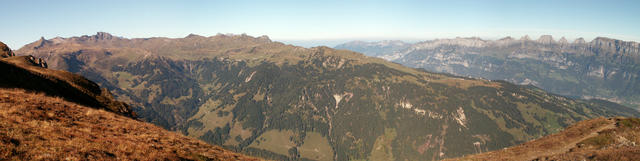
[103, 36]
[5, 51]
[609, 45]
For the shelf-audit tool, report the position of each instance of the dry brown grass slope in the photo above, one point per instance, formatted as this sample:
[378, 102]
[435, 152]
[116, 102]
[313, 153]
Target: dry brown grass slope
[27, 72]
[39, 127]
[597, 139]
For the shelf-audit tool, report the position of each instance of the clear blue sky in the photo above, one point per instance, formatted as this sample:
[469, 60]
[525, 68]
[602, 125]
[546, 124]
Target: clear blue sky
[297, 21]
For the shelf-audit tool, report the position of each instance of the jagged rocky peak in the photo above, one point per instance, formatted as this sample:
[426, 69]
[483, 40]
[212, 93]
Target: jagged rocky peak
[103, 36]
[40, 43]
[613, 45]
[546, 39]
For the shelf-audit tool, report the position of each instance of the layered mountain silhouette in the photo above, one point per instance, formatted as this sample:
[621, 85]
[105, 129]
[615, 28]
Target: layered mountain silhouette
[603, 68]
[285, 102]
[50, 114]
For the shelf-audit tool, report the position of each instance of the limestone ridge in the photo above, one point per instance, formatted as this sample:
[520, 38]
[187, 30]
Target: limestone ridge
[602, 68]
[608, 44]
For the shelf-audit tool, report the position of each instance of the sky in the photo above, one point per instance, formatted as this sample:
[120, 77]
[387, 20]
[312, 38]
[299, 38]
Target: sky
[311, 23]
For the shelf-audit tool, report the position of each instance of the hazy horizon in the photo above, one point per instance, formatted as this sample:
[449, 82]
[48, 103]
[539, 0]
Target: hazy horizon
[322, 22]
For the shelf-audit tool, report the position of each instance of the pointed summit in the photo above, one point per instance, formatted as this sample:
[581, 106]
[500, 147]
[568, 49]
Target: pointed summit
[40, 43]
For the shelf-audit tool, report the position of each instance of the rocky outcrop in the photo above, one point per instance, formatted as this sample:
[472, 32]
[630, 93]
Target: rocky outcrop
[102, 36]
[5, 51]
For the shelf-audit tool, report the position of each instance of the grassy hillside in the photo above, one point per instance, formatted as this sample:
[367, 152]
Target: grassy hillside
[39, 127]
[596, 139]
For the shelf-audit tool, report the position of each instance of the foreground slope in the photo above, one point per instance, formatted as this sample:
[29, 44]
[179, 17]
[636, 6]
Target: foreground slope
[285, 102]
[39, 127]
[31, 73]
[602, 68]
[596, 139]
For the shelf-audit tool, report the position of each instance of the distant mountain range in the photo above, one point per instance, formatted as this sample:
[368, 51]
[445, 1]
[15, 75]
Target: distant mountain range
[603, 68]
[285, 102]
